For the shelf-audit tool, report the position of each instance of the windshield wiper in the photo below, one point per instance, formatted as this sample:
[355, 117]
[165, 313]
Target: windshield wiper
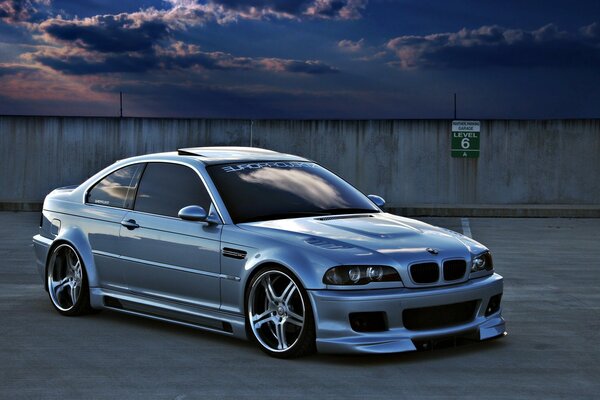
[287, 215]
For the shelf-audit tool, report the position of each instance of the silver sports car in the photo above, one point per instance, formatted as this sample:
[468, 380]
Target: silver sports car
[262, 245]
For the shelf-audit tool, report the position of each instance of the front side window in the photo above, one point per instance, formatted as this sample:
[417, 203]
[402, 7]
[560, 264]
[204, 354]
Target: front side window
[118, 188]
[274, 190]
[167, 188]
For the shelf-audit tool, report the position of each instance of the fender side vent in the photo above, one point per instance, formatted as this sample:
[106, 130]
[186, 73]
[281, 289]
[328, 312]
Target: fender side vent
[234, 253]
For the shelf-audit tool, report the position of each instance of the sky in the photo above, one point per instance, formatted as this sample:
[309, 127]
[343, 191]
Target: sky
[338, 59]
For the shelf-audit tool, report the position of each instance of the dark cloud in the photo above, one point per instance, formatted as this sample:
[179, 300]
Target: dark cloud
[490, 46]
[337, 9]
[303, 67]
[329, 9]
[79, 65]
[293, 7]
[21, 11]
[350, 46]
[326, 9]
[215, 101]
[108, 33]
[144, 40]
[591, 31]
[175, 57]
[12, 69]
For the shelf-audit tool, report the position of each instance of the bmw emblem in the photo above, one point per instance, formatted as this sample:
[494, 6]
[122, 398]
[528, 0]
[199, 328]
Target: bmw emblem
[432, 251]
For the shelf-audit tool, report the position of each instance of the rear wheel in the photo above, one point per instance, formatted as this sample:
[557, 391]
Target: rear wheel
[67, 282]
[279, 316]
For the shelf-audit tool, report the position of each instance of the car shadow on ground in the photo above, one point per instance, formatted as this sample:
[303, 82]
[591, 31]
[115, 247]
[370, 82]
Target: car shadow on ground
[445, 350]
[133, 327]
[414, 357]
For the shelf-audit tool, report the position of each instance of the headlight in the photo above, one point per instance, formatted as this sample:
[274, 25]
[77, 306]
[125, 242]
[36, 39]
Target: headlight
[360, 274]
[482, 262]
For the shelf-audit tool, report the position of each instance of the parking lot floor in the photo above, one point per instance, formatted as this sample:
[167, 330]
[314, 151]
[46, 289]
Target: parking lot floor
[551, 305]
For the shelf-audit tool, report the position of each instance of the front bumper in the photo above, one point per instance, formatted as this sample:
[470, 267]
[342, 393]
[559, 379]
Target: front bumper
[335, 334]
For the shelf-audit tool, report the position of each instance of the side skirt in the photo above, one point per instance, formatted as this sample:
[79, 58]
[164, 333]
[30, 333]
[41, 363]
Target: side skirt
[167, 311]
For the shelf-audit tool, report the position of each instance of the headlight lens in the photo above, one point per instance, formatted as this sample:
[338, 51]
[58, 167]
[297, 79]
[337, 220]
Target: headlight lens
[354, 274]
[375, 273]
[360, 274]
[482, 262]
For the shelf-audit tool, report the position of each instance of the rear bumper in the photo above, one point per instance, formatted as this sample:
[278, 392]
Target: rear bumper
[41, 245]
[335, 334]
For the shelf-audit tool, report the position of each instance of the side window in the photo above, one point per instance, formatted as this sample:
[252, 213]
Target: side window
[167, 188]
[117, 189]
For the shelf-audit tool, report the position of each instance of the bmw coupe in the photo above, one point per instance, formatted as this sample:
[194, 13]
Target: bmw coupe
[262, 245]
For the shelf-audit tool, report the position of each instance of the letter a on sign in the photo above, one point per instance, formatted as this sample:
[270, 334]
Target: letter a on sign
[465, 139]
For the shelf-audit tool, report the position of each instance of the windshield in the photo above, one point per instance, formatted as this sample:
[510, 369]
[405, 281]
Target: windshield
[264, 191]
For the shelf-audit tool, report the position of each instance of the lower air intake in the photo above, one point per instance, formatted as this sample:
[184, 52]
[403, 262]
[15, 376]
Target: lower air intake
[418, 319]
[368, 321]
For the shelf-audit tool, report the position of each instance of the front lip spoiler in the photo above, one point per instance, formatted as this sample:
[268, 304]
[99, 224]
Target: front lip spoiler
[494, 328]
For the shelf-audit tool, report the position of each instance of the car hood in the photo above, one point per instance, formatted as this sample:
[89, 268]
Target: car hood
[379, 235]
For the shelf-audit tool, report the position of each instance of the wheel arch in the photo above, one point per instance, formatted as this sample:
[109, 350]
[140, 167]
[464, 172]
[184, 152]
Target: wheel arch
[261, 267]
[306, 269]
[75, 238]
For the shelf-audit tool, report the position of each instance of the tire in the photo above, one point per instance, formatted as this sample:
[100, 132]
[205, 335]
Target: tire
[279, 316]
[68, 287]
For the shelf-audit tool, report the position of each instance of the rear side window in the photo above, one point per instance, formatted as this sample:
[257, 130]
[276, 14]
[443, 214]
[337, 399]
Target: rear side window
[167, 188]
[117, 189]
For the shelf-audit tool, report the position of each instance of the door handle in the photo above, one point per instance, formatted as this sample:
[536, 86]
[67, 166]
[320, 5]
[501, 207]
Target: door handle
[130, 224]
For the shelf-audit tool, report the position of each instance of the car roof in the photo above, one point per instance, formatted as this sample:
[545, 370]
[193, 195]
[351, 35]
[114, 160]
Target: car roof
[233, 154]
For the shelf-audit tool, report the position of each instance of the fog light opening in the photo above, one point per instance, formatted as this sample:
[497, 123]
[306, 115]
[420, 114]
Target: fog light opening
[493, 305]
[368, 321]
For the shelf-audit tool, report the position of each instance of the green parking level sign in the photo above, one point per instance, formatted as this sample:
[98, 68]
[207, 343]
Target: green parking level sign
[465, 139]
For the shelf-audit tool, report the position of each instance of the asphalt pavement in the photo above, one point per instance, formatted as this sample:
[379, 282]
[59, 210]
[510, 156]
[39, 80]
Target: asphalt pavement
[551, 305]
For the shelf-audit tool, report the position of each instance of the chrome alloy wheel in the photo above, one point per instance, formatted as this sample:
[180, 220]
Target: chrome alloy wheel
[276, 311]
[65, 278]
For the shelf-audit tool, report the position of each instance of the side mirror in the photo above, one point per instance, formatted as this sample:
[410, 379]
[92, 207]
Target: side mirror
[379, 201]
[192, 213]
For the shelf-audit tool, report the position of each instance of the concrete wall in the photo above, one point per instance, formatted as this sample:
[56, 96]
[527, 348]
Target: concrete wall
[529, 163]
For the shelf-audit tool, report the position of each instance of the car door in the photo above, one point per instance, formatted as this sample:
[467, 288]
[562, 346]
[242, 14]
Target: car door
[107, 203]
[166, 257]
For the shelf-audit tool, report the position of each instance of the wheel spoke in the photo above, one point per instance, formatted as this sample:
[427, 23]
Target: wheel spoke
[74, 292]
[260, 323]
[258, 317]
[288, 292]
[269, 291]
[295, 319]
[280, 332]
[64, 281]
[73, 261]
[61, 285]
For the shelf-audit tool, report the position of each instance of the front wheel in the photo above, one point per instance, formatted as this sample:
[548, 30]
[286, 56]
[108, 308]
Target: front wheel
[67, 282]
[279, 315]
